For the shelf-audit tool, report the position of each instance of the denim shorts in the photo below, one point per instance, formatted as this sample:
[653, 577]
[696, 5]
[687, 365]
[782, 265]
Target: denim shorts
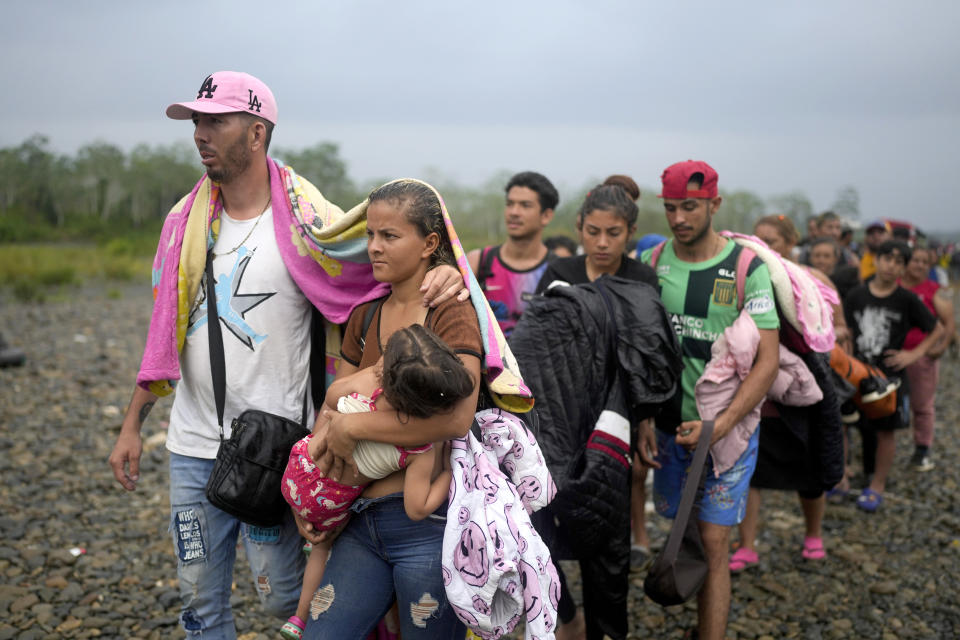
[724, 499]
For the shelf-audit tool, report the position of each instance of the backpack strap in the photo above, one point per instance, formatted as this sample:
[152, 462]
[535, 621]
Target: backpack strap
[743, 266]
[486, 265]
[655, 254]
[367, 319]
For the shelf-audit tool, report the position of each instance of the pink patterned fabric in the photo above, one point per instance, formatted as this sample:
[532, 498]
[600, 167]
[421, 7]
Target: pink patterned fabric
[320, 501]
[804, 301]
[731, 359]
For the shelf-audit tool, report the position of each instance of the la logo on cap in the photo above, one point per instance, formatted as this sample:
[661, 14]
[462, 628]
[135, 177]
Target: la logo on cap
[207, 87]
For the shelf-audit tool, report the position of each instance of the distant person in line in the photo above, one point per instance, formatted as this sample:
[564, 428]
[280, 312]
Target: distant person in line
[508, 273]
[240, 215]
[880, 314]
[924, 374]
[605, 222]
[829, 225]
[784, 462]
[561, 246]
[697, 274]
[824, 255]
[876, 233]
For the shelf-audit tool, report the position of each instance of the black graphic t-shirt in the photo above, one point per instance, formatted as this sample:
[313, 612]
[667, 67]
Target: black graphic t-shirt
[879, 324]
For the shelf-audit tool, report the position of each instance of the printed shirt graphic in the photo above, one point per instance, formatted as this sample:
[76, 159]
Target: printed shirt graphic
[879, 324]
[701, 300]
[511, 288]
[265, 322]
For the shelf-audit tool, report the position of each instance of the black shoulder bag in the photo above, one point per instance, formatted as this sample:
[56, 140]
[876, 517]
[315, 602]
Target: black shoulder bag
[680, 568]
[246, 477]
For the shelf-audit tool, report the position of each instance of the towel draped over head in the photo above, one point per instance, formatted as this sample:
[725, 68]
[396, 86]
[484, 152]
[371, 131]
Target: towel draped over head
[325, 252]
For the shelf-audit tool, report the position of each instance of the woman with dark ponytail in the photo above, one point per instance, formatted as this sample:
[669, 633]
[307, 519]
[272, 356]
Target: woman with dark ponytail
[606, 221]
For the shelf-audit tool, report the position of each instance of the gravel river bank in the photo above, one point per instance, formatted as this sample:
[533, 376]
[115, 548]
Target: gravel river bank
[81, 558]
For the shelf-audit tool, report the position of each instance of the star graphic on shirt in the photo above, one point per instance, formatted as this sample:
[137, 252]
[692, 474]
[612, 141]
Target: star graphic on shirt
[232, 306]
[238, 304]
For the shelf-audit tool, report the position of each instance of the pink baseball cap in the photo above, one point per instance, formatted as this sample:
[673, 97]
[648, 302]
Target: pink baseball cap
[229, 92]
[677, 176]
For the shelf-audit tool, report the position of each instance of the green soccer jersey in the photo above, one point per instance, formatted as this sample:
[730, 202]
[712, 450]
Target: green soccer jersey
[701, 299]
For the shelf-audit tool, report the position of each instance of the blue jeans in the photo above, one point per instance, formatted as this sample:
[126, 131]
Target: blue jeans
[380, 556]
[205, 542]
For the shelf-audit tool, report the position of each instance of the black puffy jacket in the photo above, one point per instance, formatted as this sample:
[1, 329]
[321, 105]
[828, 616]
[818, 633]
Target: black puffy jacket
[595, 354]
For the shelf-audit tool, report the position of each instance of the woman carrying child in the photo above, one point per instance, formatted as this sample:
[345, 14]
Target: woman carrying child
[382, 555]
[418, 376]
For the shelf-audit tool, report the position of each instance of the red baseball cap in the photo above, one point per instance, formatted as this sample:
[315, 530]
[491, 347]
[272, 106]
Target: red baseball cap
[229, 92]
[677, 176]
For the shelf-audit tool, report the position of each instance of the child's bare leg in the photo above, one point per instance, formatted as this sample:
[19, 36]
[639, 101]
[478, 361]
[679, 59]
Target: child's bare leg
[312, 576]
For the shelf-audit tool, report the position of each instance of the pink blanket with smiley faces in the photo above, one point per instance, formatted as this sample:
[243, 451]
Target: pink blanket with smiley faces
[496, 569]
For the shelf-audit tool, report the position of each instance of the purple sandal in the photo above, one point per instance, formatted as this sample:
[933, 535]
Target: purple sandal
[869, 500]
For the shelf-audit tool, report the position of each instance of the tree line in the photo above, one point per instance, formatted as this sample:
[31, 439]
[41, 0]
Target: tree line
[102, 191]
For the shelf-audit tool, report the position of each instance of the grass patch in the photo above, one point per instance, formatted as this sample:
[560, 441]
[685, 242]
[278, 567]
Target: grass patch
[32, 269]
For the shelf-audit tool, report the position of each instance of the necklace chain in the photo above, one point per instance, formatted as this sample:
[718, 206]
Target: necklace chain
[246, 237]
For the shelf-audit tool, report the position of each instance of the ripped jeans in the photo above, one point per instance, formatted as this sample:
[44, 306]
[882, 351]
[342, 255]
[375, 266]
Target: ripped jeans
[205, 542]
[380, 556]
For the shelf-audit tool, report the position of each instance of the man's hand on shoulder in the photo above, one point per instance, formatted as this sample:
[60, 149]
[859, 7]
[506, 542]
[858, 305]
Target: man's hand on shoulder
[441, 284]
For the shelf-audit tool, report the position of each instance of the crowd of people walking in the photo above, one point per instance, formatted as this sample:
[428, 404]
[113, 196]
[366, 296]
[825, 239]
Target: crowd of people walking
[476, 417]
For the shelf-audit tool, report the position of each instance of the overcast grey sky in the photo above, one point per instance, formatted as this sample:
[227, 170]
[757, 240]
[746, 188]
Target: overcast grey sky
[777, 96]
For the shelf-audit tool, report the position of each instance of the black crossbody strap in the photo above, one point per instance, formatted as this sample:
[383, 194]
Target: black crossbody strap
[690, 491]
[217, 367]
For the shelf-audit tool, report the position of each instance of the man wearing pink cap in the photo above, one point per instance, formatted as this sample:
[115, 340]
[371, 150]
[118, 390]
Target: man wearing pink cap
[697, 275]
[248, 211]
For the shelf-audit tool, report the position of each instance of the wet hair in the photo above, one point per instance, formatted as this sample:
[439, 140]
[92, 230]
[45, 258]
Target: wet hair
[566, 242]
[266, 123]
[783, 225]
[825, 240]
[890, 247]
[627, 183]
[609, 197]
[419, 204]
[546, 192]
[422, 375]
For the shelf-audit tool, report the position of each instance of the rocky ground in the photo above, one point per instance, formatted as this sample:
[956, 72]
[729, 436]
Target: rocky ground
[81, 558]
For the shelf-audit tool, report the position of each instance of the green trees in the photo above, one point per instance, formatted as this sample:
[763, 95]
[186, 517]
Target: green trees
[102, 191]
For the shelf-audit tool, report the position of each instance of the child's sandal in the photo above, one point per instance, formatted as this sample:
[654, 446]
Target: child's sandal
[292, 629]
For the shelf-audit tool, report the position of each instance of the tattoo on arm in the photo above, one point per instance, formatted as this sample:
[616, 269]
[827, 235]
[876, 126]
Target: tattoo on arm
[145, 411]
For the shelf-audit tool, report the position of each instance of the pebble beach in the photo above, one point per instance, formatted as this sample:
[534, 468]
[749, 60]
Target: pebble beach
[82, 558]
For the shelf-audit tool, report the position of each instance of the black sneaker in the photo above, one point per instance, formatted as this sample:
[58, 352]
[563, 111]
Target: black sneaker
[10, 356]
[921, 461]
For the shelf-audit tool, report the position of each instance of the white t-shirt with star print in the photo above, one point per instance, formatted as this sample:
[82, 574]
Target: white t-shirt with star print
[265, 322]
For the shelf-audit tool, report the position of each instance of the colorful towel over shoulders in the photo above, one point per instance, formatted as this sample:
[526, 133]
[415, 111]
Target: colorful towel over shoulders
[323, 248]
[325, 252]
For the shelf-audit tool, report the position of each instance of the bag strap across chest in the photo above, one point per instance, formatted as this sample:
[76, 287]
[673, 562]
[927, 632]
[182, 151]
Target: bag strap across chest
[218, 368]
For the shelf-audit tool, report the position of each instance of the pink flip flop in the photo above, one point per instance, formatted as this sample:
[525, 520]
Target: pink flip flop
[813, 549]
[743, 558]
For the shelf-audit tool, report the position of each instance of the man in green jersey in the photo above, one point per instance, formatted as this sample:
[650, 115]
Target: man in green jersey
[697, 275]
